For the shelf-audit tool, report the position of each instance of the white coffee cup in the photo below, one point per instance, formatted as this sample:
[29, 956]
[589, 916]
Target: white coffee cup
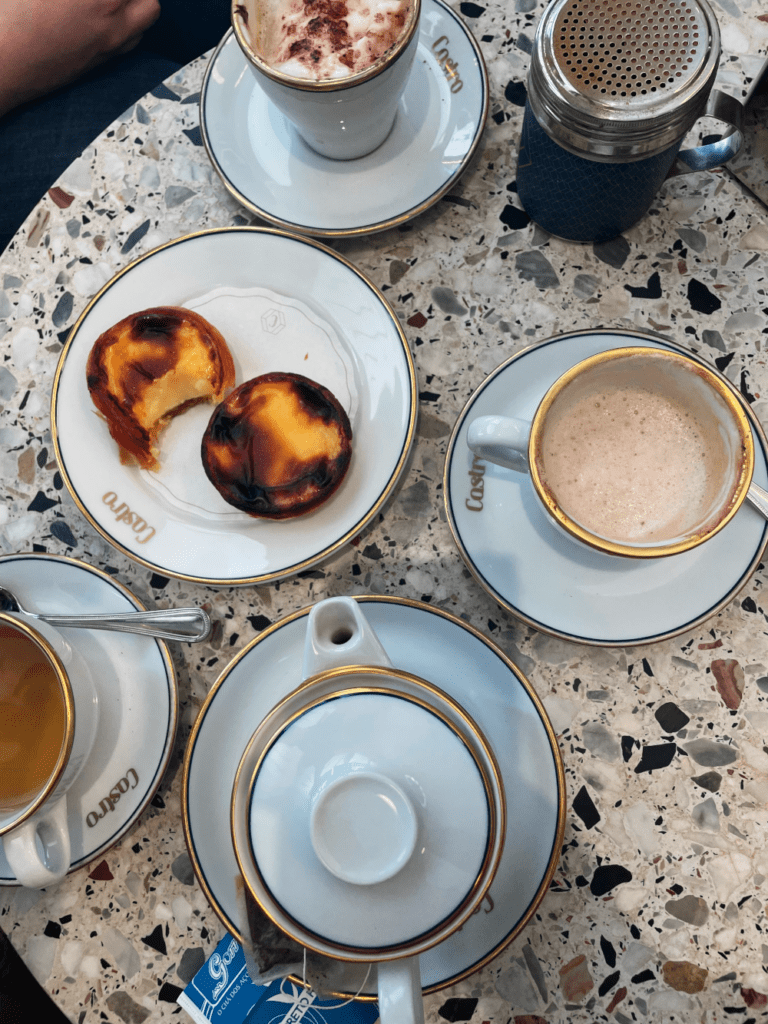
[329, 842]
[637, 451]
[35, 834]
[340, 118]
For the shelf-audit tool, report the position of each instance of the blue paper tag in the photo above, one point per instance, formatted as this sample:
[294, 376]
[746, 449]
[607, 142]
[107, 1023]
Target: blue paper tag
[222, 990]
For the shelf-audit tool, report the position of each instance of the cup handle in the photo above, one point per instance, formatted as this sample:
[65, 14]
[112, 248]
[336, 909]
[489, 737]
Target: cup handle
[45, 835]
[339, 634]
[501, 439]
[704, 158]
[399, 989]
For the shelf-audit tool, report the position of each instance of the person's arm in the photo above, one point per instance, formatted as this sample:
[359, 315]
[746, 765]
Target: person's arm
[45, 44]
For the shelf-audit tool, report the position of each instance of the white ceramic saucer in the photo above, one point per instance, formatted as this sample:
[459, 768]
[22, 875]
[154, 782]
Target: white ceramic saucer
[546, 578]
[264, 164]
[282, 302]
[138, 700]
[445, 651]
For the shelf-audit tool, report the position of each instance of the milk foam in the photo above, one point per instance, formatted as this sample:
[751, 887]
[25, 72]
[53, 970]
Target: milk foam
[630, 464]
[325, 39]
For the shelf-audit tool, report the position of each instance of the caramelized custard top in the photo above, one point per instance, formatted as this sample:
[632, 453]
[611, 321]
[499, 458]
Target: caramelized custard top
[278, 446]
[151, 366]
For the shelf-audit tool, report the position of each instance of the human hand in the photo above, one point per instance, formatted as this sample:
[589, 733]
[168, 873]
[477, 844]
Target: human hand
[45, 44]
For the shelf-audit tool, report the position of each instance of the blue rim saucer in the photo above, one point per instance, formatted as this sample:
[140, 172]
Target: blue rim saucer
[549, 580]
[267, 168]
[138, 700]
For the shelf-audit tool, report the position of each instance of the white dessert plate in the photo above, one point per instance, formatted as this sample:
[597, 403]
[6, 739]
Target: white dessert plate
[267, 167]
[282, 302]
[549, 580]
[136, 690]
[445, 651]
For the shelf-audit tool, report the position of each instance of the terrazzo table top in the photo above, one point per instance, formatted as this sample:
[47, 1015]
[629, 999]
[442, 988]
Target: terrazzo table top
[658, 909]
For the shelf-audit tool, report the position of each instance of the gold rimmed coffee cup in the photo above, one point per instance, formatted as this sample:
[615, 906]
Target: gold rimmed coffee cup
[689, 408]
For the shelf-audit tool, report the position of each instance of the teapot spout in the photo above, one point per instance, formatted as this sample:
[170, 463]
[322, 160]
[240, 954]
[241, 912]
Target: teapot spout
[339, 634]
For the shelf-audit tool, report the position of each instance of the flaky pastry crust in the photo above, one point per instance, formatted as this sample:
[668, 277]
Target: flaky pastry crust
[151, 366]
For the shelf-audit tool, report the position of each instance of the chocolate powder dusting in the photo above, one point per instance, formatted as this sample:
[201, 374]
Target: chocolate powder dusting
[242, 12]
[335, 31]
[298, 47]
[331, 37]
[328, 23]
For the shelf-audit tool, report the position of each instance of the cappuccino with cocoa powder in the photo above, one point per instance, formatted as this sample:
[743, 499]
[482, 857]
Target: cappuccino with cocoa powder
[336, 69]
[323, 40]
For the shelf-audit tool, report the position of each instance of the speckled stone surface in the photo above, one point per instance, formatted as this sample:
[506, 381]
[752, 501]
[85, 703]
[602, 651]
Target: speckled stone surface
[659, 908]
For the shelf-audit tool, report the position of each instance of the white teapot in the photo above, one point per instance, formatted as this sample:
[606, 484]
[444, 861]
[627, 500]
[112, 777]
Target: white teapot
[368, 812]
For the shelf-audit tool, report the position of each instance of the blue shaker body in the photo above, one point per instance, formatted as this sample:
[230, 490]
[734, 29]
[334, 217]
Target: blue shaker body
[579, 199]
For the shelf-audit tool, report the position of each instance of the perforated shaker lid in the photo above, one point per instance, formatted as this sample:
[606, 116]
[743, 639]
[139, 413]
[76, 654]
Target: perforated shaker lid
[622, 79]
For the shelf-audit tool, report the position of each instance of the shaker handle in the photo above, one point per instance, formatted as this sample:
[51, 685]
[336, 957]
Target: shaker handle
[704, 158]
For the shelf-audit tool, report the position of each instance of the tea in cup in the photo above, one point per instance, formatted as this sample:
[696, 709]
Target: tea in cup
[368, 813]
[48, 719]
[335, 68]
[636, 451]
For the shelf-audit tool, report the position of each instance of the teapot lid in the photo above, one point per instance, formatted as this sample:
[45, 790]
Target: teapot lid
[372, 826]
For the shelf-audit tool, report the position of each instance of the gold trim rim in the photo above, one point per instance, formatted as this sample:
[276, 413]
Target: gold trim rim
[615, 547]
[385, 61]
[496, 816]
[45, 646]
[173, 690]
[367, 229]
[557, 839]
[503, 602]
[361, 524]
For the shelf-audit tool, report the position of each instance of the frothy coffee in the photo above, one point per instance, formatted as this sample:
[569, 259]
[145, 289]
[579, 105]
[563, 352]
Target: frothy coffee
[631, 462]
[323, 39]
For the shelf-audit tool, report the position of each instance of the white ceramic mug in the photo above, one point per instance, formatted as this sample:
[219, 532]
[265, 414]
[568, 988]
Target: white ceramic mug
[35, 835]
[379, 856]
[636, 493]
[340, 118]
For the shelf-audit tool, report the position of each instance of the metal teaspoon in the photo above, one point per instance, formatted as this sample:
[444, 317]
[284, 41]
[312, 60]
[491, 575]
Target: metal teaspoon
[189, 625]
[758, 498]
